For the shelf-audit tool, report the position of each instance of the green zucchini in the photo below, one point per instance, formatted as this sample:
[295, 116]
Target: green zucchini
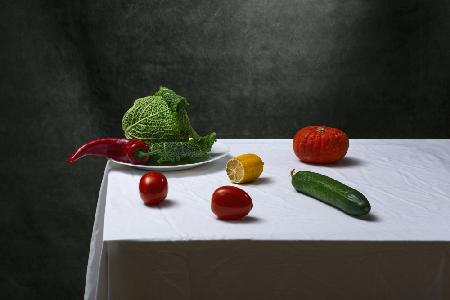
[331, 191]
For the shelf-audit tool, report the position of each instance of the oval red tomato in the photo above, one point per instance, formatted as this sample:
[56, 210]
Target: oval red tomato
[231, 203]
[153, 188]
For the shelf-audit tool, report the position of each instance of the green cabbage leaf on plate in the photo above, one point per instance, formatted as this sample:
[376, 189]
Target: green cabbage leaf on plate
[162, 122]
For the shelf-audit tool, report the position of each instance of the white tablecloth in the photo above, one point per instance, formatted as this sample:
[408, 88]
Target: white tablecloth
[290, 246]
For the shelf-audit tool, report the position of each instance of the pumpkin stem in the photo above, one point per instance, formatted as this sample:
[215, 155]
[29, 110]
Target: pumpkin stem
[320, 129]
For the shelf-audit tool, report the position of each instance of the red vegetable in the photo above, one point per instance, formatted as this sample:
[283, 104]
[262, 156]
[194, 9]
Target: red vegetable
[153, 188]
[231, 203]
[320, 144]
[123, 150]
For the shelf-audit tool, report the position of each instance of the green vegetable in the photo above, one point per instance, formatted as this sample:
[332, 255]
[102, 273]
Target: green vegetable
[162, 122]
[331, 191]
[164, 152]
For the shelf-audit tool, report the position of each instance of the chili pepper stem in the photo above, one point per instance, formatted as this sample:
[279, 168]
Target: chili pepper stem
[142, 154]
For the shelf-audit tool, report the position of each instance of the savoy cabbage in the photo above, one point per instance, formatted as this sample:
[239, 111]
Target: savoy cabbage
[162, 122]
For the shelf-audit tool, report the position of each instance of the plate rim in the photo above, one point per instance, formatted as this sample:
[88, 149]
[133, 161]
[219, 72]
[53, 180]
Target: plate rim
[177, 167]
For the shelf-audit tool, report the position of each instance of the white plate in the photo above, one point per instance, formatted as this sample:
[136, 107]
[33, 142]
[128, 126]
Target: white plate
[218, 151]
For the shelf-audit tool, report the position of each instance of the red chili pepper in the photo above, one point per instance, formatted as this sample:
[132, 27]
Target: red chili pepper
[123, 150]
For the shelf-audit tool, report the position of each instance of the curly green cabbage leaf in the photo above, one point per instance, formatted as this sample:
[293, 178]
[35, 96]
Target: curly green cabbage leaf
[162, 122]
[166, 152]
[158, 118]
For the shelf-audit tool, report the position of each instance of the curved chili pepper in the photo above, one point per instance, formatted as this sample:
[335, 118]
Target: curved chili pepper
[123, 150]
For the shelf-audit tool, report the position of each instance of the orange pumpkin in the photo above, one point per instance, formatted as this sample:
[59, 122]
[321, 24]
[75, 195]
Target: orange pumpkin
[320, 144]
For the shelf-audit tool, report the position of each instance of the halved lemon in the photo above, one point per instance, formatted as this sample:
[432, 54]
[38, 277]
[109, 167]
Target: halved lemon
[244, 168]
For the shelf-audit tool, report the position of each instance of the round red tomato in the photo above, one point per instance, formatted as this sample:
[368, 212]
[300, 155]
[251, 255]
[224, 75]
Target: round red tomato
[153, 188]
[320, 144]
[231, 203]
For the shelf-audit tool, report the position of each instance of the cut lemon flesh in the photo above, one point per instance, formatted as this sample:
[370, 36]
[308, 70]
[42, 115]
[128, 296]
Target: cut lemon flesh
[244, 168]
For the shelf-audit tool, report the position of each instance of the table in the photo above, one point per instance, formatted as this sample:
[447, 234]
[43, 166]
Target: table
[290, 246]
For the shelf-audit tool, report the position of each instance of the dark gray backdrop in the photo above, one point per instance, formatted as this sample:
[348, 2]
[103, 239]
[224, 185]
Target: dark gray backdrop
[251, 68]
